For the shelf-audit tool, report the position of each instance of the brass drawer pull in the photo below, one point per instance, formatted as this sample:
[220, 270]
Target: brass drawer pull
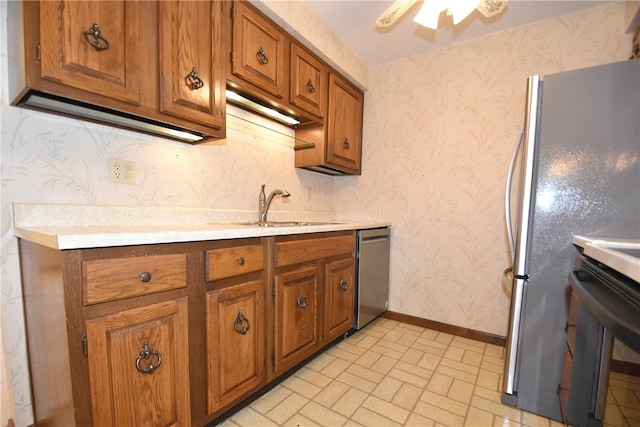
[146, 353]
[145, 277]
[310, 87]
[262, 56]
[239, 322]
[193, 80]
[346, 144]
[94, 37]
[343, 284]
[302, 300]
[241, 261]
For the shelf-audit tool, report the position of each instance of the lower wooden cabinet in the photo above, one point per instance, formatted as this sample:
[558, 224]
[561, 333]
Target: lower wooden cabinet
[296, 316]
[235, 342]
[177, 334]
[139, 366]
[339, 297]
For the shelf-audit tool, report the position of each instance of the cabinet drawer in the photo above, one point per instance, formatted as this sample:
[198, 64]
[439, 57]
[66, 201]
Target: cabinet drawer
[118, 278]
[297, 251]
[229, 262]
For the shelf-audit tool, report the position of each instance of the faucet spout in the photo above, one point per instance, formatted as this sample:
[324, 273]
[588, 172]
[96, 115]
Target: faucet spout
[265, 202]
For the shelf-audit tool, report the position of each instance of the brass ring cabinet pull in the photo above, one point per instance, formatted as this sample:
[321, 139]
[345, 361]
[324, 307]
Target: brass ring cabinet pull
[262, 56]
[145, 276]
[239, 322]
[94, 37]
[302, 300]
[310, 87]
[343, 284]
[146, 353]
[193, 80]
[346, 144]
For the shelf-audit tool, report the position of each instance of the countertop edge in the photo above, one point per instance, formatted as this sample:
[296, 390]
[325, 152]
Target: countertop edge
[83, 237]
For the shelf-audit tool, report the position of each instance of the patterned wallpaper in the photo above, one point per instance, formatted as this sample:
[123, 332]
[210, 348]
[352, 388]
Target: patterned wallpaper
[439, 130]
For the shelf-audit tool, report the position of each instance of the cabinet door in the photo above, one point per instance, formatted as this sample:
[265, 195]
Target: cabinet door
[93, 46]
[295, 324]
[339, 297]
[344, 128]
[308, 81]
[190, 55]
[139, 366]
[258, 50]
[235, 342]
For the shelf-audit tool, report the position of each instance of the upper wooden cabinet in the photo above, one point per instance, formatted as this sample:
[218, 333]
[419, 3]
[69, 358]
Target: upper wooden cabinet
[258, 50]
[92, 46]
[308, 88]
[190, 57]
[154, 67]
[337, 144]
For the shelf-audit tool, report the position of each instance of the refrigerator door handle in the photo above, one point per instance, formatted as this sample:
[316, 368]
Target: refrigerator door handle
[507, 194]
[522, 239]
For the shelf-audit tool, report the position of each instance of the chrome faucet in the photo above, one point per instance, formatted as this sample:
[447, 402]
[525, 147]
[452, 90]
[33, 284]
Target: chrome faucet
[263, 205]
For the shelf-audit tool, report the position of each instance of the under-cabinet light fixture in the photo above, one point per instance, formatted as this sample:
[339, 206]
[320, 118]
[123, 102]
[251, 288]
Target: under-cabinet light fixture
[262, 109]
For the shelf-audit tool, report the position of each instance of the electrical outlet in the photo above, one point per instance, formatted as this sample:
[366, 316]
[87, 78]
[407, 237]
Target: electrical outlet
[122, 171]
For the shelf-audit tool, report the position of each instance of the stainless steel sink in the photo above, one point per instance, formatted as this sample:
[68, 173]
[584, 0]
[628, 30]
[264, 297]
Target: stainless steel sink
[282, 223]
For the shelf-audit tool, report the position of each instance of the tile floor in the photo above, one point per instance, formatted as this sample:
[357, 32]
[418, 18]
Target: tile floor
[392, 373]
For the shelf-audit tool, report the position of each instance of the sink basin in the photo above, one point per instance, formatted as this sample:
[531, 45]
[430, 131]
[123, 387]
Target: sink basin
[283, 223]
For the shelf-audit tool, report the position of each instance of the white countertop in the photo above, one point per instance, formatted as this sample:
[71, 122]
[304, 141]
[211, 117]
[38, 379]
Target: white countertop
[77, 237]
[80, 226]
[603, 250]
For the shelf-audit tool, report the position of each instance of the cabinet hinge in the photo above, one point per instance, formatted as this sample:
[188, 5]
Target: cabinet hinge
[85, 347]
[38, 55]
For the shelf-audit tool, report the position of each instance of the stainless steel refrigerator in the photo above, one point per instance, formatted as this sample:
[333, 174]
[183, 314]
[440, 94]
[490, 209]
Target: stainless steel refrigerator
[579, 167]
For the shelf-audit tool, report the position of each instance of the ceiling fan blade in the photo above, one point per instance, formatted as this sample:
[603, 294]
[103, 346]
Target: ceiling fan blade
[491, 7]
[395, 11]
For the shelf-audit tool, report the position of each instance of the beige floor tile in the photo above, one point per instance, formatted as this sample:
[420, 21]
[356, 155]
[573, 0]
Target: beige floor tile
[408, 377]
[440, 383]
[415, 370]
[331, 393]
[478, 418]
[393, 346]
[227, 423]
[495, 351]
[286, 409]
[472, 358]
[335, 368]
[387, 388]
[300, 386]
[392, 336]
[496, 408]
[385, 350]
[461, 391]
[320, 362]
[429, 334]
[365, 373]
[455, 373]
[386, 409]
[268, 401]
[437, 414]
[351, 348]
[343, 354]
[250, 418]
[429, 361]
[454, 353]
[416, 420]
[383, 365]
[349, 402]
[431, 346]
[444, 402]
[505, 422]
[498, 369]
[444, 338]
[460, 366]
[412, 356]
[407, 396]
[299, 420]
[313, 377]
[367, 342]
[357, 382]
[368, 359]
[322, 416]
[407, 339]
[367, 417]
[488, 379]
[468, 344]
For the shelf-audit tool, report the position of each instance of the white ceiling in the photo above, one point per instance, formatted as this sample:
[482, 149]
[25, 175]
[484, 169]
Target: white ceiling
[354, 22]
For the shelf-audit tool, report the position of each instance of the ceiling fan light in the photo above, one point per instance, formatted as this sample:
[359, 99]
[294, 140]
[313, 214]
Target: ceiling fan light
[429, 14]
[460, 9]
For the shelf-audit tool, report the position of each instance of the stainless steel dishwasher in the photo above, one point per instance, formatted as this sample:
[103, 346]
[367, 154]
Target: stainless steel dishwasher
[372, 291]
